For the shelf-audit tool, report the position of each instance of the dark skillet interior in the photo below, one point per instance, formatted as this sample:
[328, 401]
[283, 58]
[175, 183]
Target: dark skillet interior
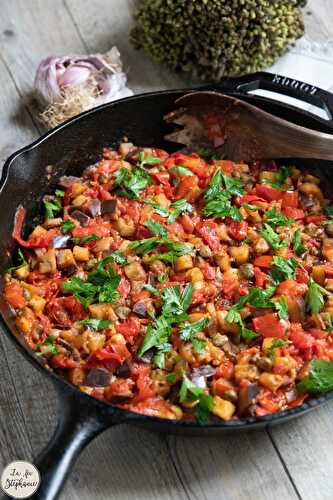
[75, 145]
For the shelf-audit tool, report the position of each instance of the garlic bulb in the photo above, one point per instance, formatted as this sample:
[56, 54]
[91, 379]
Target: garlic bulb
[66, 86]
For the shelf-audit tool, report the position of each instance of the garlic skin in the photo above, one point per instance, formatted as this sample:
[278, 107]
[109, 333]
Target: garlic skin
[68, 85]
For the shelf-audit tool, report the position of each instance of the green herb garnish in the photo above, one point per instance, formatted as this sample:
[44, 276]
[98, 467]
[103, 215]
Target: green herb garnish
[315, 297]
[190, 392]
[60, 193]
[48, 345]
[297, 243]
[179, 169]
[275, 218]
[67, 226]
[188, 333]
[147, 160]
[132, 182]
[283, 269]
[22, 262]
[272, 238]
[156, 228]
[320, 378]
[96, 324]
[86, 239]
[281, 306]
[218, 195]
[52, 208]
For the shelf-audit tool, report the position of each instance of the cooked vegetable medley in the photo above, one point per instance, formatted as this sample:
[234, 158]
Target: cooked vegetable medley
[181, 287]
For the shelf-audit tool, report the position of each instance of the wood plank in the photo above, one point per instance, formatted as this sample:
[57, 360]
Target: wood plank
[101, 28]
[307, 450]
[231, 467]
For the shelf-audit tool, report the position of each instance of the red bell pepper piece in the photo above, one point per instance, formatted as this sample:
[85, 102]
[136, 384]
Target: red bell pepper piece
[268, 193]
[315, 219]
[207, 230]
[129, 328]
[61, 361]
[291, 288]
[290, 199]
[14, 296]
[238, 230]
[260, 277]
[293, 213]
[264, 261]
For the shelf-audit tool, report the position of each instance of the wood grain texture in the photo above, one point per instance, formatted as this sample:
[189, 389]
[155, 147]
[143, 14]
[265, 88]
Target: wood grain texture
[291, 461]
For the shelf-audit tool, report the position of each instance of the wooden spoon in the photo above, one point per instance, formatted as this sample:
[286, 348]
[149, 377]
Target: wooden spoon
[239, 131]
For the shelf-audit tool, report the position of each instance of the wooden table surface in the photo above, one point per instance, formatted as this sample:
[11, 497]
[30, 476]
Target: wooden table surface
[291, 461]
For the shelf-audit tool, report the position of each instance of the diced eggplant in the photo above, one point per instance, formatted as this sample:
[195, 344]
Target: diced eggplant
[69, 270]
[122, 312]
[97, 377]
[206, 371]
[147, 356]
[109, 206]
[67, 180]
[82, 218]
[124, 370]
[94, 207]
[247, 396]
[61, 241]
[140, 308]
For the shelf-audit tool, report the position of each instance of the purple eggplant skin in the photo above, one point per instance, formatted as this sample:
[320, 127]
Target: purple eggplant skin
[97, 377]
[94, 207]
[108, 207]
[82, 218]
[246, 397]
[140, 308]
[60, 241]
[68, 180]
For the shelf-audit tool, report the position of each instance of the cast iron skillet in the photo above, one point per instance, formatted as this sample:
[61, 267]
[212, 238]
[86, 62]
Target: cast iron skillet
[70, 148]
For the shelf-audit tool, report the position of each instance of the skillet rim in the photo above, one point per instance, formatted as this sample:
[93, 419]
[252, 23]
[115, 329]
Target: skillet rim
[119, 414]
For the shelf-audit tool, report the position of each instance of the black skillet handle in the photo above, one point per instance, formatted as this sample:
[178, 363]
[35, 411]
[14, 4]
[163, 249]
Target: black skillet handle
[282, 85]
[78, 424]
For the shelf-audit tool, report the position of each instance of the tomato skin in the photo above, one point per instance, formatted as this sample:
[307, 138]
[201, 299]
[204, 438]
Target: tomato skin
[120, 387]
[229, 288]
[187, 223]
[143, 384]
[130, 208]
[292, 289]
[260, 277]
[302, 276]
[100, 230]
[188, 188]
[270, 325]
[290, 199]
[251, 199]
[315, 219]
[208, 272]
[112, 352]
[264, 261]
[197, 165]
[74, 308]
[268, 193]
[207, 230]
[294, 213]
[299, 338]
[238, 230]
[14, 296]
[163, 178]
[225, 370]
[61, 361]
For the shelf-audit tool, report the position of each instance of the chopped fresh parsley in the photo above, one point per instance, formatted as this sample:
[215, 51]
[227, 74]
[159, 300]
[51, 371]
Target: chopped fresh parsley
[272, 238]
[280, 178]
[151, 289]
[67, 226]
[281, 306]
[132, 182]
[175, 249]
[162, 278]
[156, 228]
[320, 378]
[48, 346]
[101, 285]
[297, 243]
[52, 208]
[274, 345]
[178, 207]
[96, 324]
[163, 212]
[207, 154]
[188, 332]
[118, 257]
[60, 193]
[147, 160]
[283, 269]
[179, 169]
[171, 377]
[190, 392]
[86, 239]
[275, 218]
[315, 297]
[218, 195]
[248, 206]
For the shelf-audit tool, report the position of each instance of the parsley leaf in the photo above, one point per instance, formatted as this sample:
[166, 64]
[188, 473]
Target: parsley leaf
[52, 208]
[151, 289]
[179, 207]
[132, 182]
[48, 346]
[156, 228]
[274, 345]
[220, 190]
[188, 332]
[272, 238]
[179, 169]
[281, 306]
[147, 160]
[67, 226]
[96, 324]
[281, 177]
[119, 257]
[86, 239]
[319, 379]
[297, 243]
[171, 377]
[275, 218]
[60, 193]
[146, 245]
[315, 297]
[189, 391]
[163, 212]
[283, 269]
[22, 262]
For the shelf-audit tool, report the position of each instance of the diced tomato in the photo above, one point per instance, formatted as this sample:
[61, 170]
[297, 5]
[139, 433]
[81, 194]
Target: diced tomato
[100, 230]
[227, 166]
[225, 370]
[315, 219]
[74, 308]
[300, 339]
[270, 402]
[264, 261]
[268, 193]
[61, 361]
[220, 386]
[163, 178]
[143, 384]
[293, 213]
[14, 296]
[260, 277]
[302, 276]
[292, 289]
[121, 387]
[207, 230]
[202, 295]
[208, 272]
[124, 287]
[46, 325]
[144, 294]
[197, 165]
[251, 199]
[188, 188]
[112, 352]
[103, 194]
[230, 287]
[238, 230]
[299, 400]
[317, 333]
[290, 199]
[187, 223]
[129, 328]
[270, 325]
[169, 162]
[130, 208]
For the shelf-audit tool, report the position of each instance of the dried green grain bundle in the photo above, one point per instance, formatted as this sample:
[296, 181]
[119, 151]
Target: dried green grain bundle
[214, 38]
